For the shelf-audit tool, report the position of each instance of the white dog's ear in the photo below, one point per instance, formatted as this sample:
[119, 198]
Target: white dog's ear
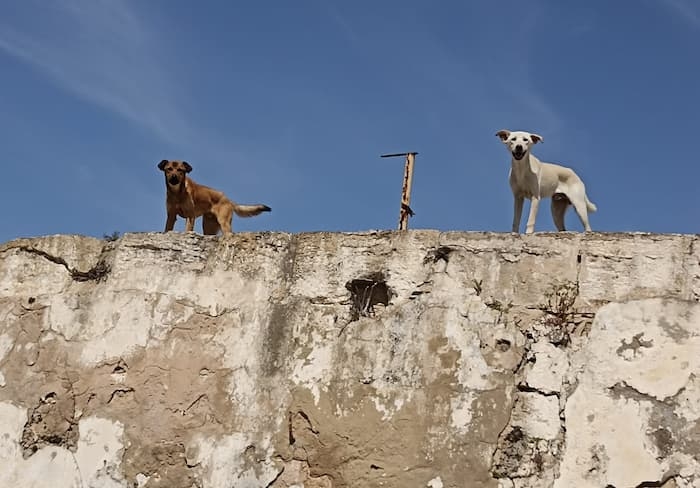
[536, 138]
[503, 134]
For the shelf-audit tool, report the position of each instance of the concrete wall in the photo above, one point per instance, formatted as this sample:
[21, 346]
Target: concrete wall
[416, 359]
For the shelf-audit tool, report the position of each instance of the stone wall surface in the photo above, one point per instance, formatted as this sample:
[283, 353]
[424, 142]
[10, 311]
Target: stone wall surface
[328, 360]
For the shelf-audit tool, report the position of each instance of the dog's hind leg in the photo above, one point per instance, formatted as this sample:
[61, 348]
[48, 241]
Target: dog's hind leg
[210, 226]
[559, 204]
[579, 203]
[224, 215]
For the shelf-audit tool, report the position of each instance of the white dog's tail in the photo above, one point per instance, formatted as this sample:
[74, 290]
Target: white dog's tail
[250, 210]
[590, 205]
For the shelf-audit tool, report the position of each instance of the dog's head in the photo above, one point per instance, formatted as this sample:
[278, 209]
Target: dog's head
[175, 172]
[518, 142]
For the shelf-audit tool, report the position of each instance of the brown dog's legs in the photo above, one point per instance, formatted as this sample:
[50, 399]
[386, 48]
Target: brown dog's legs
[210, 226]
[189, 224]
[224, 214]
[170, 222]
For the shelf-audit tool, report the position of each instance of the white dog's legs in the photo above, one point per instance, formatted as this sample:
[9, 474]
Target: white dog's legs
[517, 213]
[579, 203]
[558, 210]
[534, 205]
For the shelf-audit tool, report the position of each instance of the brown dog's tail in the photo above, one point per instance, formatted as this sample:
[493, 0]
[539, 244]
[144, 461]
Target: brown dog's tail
[250, 210]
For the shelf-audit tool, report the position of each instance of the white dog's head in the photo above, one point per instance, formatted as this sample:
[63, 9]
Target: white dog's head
[518, 142]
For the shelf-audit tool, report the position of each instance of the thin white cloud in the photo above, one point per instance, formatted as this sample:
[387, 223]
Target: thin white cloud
[108, 53]
[345, 28]
[101, 51]
[687, 9]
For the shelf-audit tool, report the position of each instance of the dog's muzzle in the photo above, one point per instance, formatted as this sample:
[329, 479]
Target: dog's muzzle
[519, 154]
[174, 180]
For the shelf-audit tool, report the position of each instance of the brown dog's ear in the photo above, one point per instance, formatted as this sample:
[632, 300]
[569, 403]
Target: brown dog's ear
[187, 166]
[161, 165]
[503, 134]
[536, 138]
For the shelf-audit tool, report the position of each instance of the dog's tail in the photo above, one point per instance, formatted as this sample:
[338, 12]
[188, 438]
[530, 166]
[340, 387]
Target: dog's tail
[590, 205]
[250, 210]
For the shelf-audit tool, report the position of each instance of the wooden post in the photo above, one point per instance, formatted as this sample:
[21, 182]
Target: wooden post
[405, 211]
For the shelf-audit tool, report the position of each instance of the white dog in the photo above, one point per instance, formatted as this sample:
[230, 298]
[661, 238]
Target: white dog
[533, 179]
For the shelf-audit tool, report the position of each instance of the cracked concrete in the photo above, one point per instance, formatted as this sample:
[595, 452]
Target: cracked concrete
[378, 359]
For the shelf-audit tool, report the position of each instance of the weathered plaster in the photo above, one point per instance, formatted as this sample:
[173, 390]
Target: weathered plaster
[378, 359]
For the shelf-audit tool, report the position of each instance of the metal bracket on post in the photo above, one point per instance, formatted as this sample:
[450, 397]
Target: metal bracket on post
[405, 210]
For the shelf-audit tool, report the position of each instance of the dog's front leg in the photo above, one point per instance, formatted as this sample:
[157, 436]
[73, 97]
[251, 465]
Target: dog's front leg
[170, 222]
[534, 205]
[517, 213]
[189, 225]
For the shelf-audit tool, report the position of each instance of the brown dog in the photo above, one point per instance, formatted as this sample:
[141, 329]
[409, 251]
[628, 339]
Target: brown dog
[191, 200]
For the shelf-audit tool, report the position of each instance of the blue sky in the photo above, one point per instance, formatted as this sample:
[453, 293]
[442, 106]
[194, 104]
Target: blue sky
[291, 103]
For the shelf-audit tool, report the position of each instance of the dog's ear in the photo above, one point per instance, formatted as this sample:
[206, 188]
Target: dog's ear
[161, 165]
[536, 138]
[503, 134]
[187, 166]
